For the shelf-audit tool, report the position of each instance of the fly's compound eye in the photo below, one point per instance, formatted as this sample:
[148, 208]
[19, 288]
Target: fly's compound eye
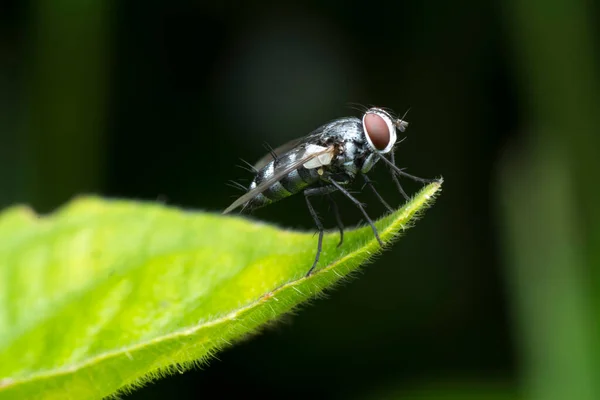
[380, 131]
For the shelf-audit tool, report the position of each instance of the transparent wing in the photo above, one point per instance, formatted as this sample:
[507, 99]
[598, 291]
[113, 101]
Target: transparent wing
[277, 175]
[294, 143]
[267, 158]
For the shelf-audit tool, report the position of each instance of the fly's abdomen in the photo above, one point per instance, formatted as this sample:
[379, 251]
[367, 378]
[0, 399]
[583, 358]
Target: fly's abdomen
[295, 181]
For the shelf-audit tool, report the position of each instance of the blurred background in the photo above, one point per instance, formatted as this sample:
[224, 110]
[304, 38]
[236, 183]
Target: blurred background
[491, 296]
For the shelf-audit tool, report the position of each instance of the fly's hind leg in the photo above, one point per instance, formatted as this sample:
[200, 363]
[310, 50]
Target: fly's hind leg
[324, 190]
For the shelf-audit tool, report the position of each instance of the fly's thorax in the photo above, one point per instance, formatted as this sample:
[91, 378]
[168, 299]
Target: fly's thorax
[356, 156]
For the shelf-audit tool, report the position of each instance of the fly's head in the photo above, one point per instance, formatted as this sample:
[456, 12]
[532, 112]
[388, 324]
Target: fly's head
[380, 130]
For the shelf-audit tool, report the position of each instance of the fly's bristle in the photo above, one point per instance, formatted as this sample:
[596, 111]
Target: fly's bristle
[237, 185]
[268, 147]
[252, 171]
[245, 207]
[248, 167]
[358, 107]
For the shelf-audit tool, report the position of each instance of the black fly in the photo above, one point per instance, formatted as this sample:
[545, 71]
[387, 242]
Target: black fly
[326, 161]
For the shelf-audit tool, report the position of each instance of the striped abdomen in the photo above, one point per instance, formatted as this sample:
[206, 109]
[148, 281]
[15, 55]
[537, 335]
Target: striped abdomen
[290, 184]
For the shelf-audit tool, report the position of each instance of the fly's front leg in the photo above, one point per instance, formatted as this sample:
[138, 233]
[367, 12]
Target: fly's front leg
[325, 190]
[397, 171]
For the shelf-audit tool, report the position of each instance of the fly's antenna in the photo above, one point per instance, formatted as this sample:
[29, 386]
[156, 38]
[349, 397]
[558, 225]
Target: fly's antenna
[406, 113]
[400, 123]
[270, 150]
[248, 167]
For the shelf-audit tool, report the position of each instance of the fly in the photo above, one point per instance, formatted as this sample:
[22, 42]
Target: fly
[326, 161]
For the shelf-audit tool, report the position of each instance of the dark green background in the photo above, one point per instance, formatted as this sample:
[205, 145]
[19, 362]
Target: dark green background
[491, 295]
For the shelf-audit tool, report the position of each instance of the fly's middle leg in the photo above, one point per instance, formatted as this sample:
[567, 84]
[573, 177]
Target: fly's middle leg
[369, 183]
[360, 207]
[325, 190]
[397, 182]
[338, 219]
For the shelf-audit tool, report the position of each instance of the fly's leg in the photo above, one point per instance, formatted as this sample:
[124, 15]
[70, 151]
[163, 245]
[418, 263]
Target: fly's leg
[369, 183]
[397, 171]
[325, 190]
[319, 227]
[360, 207]
[338, 219]
[396, 181]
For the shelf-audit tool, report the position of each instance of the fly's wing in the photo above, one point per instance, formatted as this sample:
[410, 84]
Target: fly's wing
[306, 157]
[267, 158]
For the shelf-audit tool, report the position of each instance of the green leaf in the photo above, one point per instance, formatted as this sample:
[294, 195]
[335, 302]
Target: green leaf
[104, 295]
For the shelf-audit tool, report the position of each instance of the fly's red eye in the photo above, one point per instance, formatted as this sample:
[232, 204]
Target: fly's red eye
[378, 130]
